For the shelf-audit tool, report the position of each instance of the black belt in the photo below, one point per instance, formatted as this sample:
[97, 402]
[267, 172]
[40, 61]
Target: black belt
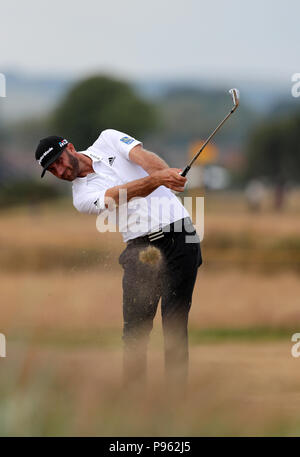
[164, 231]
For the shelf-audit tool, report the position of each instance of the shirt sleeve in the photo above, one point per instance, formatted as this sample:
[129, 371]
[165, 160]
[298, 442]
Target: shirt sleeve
[120, 141]
[88, 200]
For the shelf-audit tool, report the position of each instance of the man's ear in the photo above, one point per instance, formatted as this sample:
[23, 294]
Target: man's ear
[71, 148]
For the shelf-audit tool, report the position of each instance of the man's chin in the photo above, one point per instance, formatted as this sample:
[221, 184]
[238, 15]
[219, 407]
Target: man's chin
[69, 178]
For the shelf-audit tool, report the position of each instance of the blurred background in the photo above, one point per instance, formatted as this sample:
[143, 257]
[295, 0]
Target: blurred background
[160, 72]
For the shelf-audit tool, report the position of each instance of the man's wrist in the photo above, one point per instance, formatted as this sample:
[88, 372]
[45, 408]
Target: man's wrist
[155, 179]
[153, 170]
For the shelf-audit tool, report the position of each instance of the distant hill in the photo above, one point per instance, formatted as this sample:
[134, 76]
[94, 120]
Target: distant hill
[31, 95]
[189, 110]
[258, 96]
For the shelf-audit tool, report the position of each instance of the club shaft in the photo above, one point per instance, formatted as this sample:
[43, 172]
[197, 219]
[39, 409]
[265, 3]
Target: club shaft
[187, 168]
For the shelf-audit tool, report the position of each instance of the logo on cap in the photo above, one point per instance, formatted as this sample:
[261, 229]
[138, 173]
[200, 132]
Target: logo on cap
[44, 155]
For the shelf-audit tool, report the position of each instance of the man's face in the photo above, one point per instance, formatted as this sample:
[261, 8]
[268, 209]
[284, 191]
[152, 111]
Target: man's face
[66, 167]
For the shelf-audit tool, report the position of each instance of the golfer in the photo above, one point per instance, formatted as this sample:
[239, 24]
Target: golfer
[117, 174]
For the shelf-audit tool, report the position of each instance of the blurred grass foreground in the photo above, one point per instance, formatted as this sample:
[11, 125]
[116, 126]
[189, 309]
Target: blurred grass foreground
[61, 313]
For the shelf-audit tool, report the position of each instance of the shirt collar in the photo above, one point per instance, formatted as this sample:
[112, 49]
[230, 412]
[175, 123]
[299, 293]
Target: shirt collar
[92, 155]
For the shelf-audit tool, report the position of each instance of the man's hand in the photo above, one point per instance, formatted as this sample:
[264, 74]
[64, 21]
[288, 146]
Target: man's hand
[170, 178]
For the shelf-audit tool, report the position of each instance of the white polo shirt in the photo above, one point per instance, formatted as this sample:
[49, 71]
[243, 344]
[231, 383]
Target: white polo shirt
[112, 167]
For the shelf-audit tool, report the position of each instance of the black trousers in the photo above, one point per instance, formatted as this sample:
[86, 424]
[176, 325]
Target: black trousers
[165, 268]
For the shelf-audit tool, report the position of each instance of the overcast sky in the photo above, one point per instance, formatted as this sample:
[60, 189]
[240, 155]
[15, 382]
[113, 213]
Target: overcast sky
[217, 39]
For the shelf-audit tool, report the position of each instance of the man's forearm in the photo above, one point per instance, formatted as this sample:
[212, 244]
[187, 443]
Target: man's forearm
[169, 177]
[138, 188]
[148, 160]
[155, 163]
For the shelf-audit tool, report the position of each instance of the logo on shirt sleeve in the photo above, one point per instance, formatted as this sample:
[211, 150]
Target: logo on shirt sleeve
[127, 140]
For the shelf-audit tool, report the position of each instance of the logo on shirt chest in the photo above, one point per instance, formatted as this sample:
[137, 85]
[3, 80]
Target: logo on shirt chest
[111, 160]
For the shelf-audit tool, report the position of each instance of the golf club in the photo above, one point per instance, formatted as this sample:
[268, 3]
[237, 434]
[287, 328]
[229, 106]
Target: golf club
[236, 98]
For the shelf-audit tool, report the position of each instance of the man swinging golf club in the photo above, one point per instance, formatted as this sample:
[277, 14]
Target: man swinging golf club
[117, 167]
[117, 162]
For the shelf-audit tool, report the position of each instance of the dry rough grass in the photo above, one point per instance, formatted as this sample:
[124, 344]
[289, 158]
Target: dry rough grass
[52, 383]
[90, 300]
[235, 389]
[59, 237]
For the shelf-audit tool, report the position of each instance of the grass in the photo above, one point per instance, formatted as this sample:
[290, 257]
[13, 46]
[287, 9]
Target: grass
[58, 237]
[86, 301]
[234, 390]
[111, 338]
[61, 312]
[217, 335]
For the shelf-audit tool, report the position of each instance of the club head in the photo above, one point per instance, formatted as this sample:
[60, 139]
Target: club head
[235, 94]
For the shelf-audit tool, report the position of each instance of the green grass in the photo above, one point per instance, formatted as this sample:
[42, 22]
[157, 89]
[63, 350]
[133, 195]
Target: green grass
[111, 338]
[217, 335]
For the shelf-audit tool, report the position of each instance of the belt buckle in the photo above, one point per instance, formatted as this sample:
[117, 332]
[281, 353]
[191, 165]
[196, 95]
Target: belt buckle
[155, 235]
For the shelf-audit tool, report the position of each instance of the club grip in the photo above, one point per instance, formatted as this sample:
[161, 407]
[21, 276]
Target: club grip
[185, 171]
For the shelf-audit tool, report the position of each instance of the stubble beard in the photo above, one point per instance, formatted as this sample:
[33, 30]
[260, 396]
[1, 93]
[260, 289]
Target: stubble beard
[74, 167]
